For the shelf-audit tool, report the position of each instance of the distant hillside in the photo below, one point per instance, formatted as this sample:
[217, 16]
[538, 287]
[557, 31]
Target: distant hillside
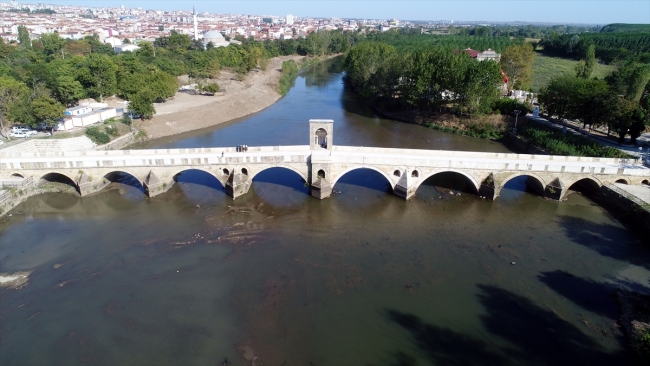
[621, 27]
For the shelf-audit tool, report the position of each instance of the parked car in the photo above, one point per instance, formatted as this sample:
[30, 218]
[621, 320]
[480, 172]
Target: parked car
[19, 134]
[24, 130]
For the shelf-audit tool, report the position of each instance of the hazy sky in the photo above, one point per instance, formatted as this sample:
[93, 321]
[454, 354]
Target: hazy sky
[563, 11]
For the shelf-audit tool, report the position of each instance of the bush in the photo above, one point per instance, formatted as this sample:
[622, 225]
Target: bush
[97, 136]
[112, 131]
[558, 143]
[109, 121]
[211, 88]
[507, 106]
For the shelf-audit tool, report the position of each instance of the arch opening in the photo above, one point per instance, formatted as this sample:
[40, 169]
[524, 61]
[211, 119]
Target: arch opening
[397, 173]
[281, 186]
[622, 181]
[16, 175]
[522, 183]
[366, 177]
[198, 184]
[646, 182]
[121, 177]
[446, 182]
[226, 172]
[415, 174]
[321, 138]
[58, 180]
[321, 174]
[586, 186]
[244, 171]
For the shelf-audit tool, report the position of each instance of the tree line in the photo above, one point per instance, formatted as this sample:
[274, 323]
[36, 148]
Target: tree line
[610, 46]
[39, 78]
[434, 78]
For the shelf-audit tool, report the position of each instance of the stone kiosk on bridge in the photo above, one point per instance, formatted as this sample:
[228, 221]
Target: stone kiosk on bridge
[321, 164]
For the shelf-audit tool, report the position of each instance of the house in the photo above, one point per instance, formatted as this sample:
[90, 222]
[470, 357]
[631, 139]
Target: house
[489, 54]
[82, 116]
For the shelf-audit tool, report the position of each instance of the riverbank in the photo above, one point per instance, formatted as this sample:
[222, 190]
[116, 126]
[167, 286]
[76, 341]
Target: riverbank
[185, 112]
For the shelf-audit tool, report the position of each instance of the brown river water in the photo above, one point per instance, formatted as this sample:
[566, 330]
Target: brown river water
[276, 277]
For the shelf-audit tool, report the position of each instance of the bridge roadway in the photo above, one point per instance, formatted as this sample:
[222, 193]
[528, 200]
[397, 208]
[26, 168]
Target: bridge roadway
[321, 166]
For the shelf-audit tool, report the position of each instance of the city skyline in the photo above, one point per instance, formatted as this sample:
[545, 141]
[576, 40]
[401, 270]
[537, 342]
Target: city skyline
[576, 11]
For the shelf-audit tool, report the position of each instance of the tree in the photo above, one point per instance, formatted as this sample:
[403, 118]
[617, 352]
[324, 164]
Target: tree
[47, 109]
[52, 43]
[141, 104]
[517, 63]
[586, 66]
[23, 37]
[98, 76]
[12, 92]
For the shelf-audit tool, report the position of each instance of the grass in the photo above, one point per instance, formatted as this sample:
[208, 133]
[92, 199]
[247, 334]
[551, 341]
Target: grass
[545, 67]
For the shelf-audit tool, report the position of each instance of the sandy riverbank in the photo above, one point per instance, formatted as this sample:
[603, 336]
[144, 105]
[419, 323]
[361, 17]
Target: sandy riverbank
[187, 112]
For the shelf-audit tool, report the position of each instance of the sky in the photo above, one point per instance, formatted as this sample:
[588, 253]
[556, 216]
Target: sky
[557, 11]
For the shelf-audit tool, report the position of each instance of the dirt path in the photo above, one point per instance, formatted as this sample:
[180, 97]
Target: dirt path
[187, 112]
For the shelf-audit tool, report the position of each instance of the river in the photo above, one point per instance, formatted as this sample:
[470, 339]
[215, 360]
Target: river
[279, 278]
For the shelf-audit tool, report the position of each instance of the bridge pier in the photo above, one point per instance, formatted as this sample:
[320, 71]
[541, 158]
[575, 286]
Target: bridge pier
[153, 185]
[321, 189]
[237, 184]
[405, 187]
[555, 190]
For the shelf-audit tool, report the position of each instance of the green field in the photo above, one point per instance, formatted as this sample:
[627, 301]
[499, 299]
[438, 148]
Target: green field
[544, 68]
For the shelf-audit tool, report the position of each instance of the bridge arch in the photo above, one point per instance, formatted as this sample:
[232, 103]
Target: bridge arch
[58, 177]
[110, 177]
[221, 181]
[589, 179]
[17, 175]
[301, 174]
[541, 184]
[467, 176]
[390, 181]
[646, 182]
[623, 181]
[589, 184]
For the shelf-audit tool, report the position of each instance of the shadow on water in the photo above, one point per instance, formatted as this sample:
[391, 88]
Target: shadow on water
[535, 336]
[589, 294]
[607, 239]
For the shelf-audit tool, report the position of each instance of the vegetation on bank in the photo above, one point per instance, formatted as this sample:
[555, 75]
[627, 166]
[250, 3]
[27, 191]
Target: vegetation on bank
[111, 129]
[289, 74]
[558, 143]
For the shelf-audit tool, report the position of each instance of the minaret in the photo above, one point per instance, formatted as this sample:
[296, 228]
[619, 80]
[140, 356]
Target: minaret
[196, 26]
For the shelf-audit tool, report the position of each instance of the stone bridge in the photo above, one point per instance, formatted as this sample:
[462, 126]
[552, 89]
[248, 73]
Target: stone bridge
[321, 164]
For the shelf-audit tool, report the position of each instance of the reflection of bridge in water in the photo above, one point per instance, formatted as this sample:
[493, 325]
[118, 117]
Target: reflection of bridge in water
[321, 164]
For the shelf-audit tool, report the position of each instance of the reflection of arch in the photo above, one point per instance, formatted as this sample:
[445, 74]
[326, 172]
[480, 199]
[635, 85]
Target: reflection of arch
[321, 138]
[55, 177]
[202, 170]
[321, 174]
[623, 181]
[302, 175]
[392, 185]
[541, 185]
[469, 177]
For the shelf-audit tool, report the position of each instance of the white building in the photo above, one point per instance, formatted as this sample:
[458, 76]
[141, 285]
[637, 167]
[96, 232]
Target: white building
[216, 38]
[289, 19]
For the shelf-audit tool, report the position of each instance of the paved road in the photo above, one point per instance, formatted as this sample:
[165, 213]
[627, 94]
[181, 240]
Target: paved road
[641, 192]
[576, 129]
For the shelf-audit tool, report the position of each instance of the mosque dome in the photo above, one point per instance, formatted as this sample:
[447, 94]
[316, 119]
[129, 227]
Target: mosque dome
[213, 35]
